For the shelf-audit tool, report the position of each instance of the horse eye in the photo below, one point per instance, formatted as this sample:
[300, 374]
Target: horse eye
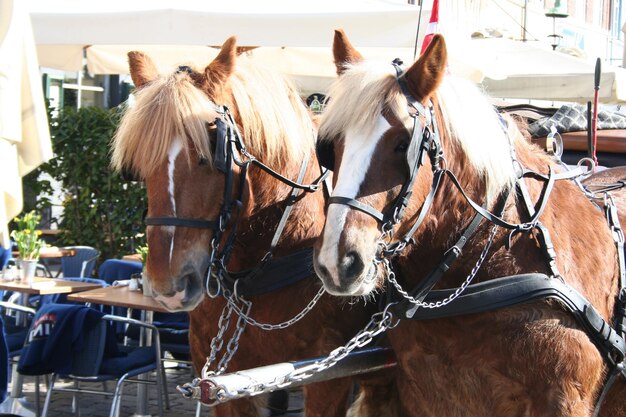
[203, 161]
[402, 147]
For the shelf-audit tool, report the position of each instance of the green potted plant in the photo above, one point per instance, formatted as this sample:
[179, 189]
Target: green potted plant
[26, 237]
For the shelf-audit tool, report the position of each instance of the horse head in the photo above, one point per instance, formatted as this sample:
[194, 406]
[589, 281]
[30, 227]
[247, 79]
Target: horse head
[168, 137]
[385, 131]
[186, 135]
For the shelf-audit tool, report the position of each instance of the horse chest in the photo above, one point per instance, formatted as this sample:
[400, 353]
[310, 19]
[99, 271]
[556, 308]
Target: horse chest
[476, 365]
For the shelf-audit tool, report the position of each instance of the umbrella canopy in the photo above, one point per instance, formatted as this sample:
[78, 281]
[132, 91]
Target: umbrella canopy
[294, 36]
[532, 70]
[24, 135]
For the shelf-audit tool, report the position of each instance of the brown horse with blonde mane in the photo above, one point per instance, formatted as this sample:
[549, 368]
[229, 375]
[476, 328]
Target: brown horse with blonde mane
[440, 200]
[170, 138]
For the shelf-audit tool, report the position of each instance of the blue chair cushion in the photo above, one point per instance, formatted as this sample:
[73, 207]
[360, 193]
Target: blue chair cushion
[15, 341]
[129, 359]
[117, 269]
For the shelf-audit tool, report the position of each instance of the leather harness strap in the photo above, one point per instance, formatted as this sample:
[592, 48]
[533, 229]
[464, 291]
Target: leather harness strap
[517, 289]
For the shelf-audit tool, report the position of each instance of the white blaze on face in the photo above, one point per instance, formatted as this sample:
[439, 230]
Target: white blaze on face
[177, 146]
[355, 161]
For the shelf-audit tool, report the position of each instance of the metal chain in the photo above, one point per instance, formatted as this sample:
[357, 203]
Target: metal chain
[378, 324]
[218, 341]
[392, 278]
[279, 326]
[233, 343]
[243, 313]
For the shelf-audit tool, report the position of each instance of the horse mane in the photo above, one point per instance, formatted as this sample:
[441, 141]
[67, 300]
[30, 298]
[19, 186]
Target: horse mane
[361, 93]
[275, 124]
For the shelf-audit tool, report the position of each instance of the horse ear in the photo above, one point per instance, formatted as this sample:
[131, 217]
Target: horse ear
[142, 69]
[343, 51]
[223, 65]
[427, 72]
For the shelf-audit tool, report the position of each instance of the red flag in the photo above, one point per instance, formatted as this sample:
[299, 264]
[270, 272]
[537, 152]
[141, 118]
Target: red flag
[433, 26]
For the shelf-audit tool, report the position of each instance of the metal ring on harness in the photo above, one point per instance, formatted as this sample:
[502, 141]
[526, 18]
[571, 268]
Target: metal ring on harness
[587, 161]
[554, 144]
[218, 289]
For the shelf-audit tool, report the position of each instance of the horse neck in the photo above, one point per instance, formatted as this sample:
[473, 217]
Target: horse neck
[447, 218]
[263, 210]
[521, 252]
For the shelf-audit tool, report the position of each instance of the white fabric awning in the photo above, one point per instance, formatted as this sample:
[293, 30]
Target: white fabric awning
[532, 70]
[63, 28]
[24, 133]
[296, 37]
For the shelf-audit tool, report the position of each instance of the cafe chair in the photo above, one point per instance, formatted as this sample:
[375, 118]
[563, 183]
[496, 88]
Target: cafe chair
[82, 264]
[173, 327]
[15, 321]
[101, 359]
[113, 270]
[5, 255]
[62, 297]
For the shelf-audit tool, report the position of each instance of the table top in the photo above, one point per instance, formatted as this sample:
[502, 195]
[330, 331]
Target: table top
[43, 286]
[51, 253]
[135, 257]
[119, 296]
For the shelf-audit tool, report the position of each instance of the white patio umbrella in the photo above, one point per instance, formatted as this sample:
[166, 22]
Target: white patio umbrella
[532, 70]
[293, 35]
[24, 135]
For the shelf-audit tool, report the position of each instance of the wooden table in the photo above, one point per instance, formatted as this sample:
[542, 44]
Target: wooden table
[135, 257]
[51, 253]
[119, 297]
[122, 297]
[15, 403]
[45, 286]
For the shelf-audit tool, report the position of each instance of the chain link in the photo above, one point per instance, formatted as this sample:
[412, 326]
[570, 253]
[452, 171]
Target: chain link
[218, 341]
[379, 323]
[392, 278]
[279, 326]
[233, 343]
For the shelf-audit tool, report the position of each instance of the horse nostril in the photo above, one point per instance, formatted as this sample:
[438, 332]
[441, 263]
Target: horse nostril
[322, 271]
[351, 267]
[190, 284]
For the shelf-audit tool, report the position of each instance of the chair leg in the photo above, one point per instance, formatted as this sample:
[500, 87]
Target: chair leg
[160, 391]
[117, 398]
[46, 404]
[76, 400]
[164, 386]
[37, 397]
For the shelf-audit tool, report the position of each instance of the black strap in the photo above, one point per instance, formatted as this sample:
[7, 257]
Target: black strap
[289, 203]
[277, 273]
[291, 200]
[449, 257]
[517, 289]
[357, 205]
[550, 179]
